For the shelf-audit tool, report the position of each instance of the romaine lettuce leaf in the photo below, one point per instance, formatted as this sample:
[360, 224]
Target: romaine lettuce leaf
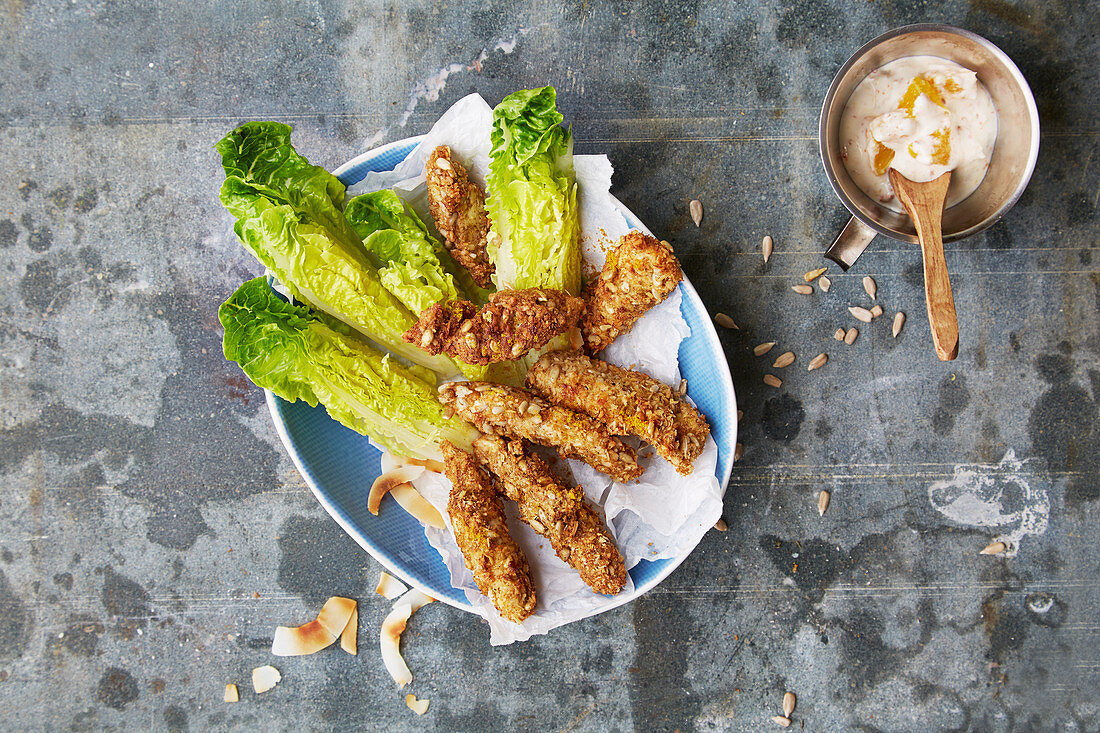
[301, 354]
[289, 214]
[535, 238]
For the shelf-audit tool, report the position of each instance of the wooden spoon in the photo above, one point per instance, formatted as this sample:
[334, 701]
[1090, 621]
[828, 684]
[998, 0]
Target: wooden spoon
[924, 202]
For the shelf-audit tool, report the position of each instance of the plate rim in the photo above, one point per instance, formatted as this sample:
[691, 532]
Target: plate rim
[671, 564]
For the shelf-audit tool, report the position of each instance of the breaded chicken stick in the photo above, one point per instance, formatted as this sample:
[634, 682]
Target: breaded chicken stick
[512, 323]
[458, 206]
[625, 401]
[499, 566]
[639, 273]
[494, 408]
[557, 512]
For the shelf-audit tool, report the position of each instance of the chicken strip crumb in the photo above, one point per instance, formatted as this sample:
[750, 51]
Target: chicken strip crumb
[559, 513]
[458, 206]
[512, 323]
[639, 272]
[625, 402]
[495, 408]
[499, 566]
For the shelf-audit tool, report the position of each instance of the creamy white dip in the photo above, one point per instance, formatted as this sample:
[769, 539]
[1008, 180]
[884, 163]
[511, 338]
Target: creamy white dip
[923, 116]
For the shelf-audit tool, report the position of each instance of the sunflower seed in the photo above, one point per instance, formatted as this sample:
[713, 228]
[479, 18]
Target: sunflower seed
[721, 525]
[851, 336]
[766, 248]
[788, 703]
[817, 362]
[773, 381]
[814, 274]
[899, 321]
[860, 314]
[825, 283]
[725, 321]
[784, 360]
[696, 208]
[822, 504]
[994, 548]
[802, 289]
[876, 310]
[738, 451]
[869, 286]
[761, 349]
[839, 334]
[782, 721]
[683, 387]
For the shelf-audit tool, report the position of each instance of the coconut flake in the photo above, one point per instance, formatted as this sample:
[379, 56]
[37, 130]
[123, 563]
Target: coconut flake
[314, 636]
[416, 505]
[389, 586]
[387, 482]
[390, 639]
[417, 706]
[264, 678]
[231, 693]
[350, 634]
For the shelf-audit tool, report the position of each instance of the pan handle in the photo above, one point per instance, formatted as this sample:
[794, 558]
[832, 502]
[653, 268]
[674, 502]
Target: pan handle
[850, 243]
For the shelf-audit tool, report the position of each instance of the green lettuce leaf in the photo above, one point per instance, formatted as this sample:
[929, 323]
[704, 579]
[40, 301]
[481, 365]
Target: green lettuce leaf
[535, 241]
[290, 215]
[302, 355]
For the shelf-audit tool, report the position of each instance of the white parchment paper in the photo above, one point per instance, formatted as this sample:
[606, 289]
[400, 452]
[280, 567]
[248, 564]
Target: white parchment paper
[662, 515]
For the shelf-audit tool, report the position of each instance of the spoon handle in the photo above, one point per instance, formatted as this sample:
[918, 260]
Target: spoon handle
[925, 205]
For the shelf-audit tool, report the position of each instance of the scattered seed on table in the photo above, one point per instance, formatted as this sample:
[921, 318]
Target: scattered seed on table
[822, 504]
[738, 451]
[782, 721]
[839, 334]
[869, 286]
[802, 289]
[761, 349]
[814, 274]
[766, 248]
[994, 548]
[851, 336]
[876, 310]
[860, 314]
[696, 208]
[788, 703]
[899, 321]
[725, 321]
[825, 283]
[740, 414]
[721, 525]
[683, 387]
[817, 362]
[784, 360]
[773, 381]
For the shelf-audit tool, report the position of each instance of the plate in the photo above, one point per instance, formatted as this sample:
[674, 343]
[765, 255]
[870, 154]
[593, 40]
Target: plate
[339, 465]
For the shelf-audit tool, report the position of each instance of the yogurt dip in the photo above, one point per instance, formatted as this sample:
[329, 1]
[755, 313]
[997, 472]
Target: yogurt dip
[923, 116]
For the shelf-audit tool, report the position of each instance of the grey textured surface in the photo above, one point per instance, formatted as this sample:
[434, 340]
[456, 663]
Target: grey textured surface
[153, 531]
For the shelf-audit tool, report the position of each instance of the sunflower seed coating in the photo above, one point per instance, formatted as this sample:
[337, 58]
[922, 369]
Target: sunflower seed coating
[500, 568]
[625, 402]
[512, 323]
[458, 206]
[574, 435]
[639, 272]
[555, 510]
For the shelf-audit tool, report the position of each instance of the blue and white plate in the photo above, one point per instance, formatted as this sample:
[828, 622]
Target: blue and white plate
[340, 465]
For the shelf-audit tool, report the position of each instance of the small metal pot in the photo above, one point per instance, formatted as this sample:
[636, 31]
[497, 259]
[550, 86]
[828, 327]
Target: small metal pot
[1014, 153]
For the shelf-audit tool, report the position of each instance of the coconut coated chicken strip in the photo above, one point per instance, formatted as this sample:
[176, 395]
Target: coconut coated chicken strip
[499, 566]
[556, 511]
[458, 206]
[495, 408]
[512, 323]
[625, 402]
[639, 272]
